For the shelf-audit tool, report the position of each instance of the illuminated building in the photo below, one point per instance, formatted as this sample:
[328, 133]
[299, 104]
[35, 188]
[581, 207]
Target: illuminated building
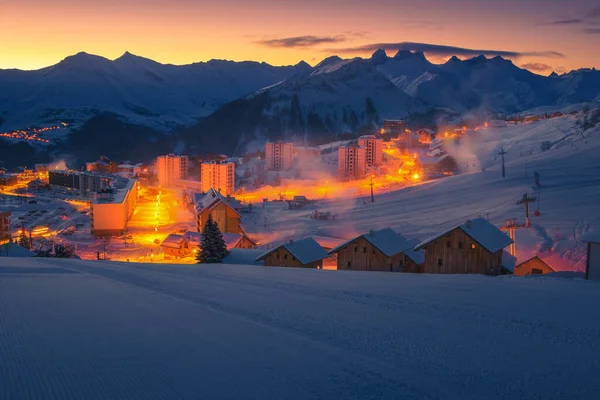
[352, 161]
[4, 226]
[374, 155]
[171, 168]
[41, 167]
[394, 126]
[279, 155]
[219, 176]
[7, 179]
[224, 210]
[86, 183]
[103, 165]
[112, 209]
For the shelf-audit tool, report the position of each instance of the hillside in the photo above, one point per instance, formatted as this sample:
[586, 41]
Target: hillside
[570, 186]
[95, 330]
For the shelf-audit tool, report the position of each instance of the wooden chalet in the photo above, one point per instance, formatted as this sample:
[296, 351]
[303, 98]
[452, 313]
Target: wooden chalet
[592, 266]
[533, 266]
[426, 136]
[443, 164]
[303, 253]
[475, 247]
[382, 250]
[224, 210]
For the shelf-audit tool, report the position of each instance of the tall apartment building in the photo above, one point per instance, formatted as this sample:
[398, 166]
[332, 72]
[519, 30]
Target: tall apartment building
[394, 126]
[219, 176]
[352, 161]
[171, 168]
[279, 155]
[374, 149]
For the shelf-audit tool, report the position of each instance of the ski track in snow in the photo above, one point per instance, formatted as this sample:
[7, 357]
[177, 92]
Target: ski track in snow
[83, 329]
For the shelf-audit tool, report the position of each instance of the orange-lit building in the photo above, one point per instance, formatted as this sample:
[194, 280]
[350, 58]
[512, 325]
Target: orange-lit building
[103, 165]
[7, 179]
[218, 175]
[374, 150]
[171, 168]
[4, 226]
[110, 211]
[533, 266]
[279, 155]
[224, 210]
[352, 161]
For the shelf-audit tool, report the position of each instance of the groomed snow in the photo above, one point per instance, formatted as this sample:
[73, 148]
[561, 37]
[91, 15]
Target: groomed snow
[96, 330]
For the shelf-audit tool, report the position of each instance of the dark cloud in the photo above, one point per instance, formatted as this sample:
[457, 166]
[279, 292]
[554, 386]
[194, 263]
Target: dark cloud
[301, 41]
[593, 31]
[573, 21]
[441, 50]
[537, 67]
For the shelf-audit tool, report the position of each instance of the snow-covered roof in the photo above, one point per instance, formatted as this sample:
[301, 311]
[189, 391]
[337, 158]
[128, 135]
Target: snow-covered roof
[12, 249]
[327, 242]
[306, 250]
[509, 261]
[531, 259]
[425, 159]
[480, 230]
[417, 256]
[173, 240]
[427, 130]
[231, 239]
[243, 257]
[388, 241]
[208, 200]
[591, 236]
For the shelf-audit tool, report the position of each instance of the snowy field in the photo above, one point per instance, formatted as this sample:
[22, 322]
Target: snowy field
[99, 330]
[569, 205]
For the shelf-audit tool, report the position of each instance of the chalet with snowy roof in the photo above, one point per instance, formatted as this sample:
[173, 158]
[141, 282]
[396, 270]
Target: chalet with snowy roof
[426, 136]
[475, 247]
[382, 250]
[436, 164]
[533, 266]
[592, 266]
[224, 210]
[303, 253]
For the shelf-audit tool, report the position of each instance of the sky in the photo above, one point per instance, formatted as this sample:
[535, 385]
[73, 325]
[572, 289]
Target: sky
[541, 35]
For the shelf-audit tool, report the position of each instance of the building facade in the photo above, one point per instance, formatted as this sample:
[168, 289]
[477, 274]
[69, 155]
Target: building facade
[352, 161]
[110, 211]
[219, 176]
[533, 266]
[5, 226]
[475, 247]
[171, 168]
[374, 150]
[394, 126]
[86, 183]
[304, 253]
[279, 155]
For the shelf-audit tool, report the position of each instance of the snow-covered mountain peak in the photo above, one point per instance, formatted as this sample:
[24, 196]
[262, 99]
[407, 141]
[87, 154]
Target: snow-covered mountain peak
[379, 57]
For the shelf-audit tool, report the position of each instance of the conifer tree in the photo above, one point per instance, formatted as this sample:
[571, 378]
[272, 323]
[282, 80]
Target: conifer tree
[212, 248]
[24, 239]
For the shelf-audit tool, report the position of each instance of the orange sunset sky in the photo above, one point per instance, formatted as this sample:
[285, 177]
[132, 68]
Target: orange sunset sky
[541, 35]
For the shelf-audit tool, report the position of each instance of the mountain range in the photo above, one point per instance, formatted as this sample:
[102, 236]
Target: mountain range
[227, 105]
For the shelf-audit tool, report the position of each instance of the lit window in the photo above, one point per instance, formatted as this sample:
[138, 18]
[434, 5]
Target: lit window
[473, 246]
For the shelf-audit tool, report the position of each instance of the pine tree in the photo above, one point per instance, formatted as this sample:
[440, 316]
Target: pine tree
[24, 239]
[212, 248]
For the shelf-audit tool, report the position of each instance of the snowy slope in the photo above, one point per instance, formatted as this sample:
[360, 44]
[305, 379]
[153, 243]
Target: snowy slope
[570, 178]
[100, 330]
[141, 89]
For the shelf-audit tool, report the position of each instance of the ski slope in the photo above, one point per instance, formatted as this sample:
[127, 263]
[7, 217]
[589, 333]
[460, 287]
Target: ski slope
[569, 205]
[98, 330]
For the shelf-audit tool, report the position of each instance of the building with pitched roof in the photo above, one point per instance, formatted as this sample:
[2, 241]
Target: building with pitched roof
[474, 247]
[533, 266]
[224, 210]
[382, 250]
[303, 253]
